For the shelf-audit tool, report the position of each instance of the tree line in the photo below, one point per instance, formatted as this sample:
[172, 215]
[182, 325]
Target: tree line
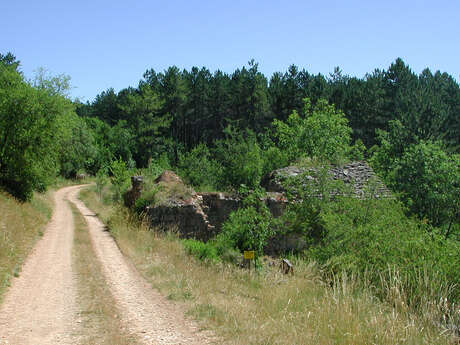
[243, 124]
[185, 108]
[227, 129]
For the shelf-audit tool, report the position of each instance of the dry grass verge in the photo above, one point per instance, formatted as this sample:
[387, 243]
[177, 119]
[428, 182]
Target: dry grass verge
[265, 307]
[21, 224]
[98, 313]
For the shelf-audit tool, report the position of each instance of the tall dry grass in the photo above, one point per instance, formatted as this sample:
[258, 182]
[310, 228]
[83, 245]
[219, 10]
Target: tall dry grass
[21, 224]
[98, 314]
[266, 307]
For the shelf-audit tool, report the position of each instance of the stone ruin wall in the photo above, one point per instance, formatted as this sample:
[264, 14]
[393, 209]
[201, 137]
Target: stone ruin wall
[202, 218]
[201, 215]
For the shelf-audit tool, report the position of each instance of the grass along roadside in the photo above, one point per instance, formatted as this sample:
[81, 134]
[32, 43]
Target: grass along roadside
[98, 314]
[21, 224]
[264, 308]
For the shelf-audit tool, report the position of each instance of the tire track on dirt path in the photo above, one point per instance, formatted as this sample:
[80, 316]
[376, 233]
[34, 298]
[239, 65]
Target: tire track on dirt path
[145, 313]
[39, 307]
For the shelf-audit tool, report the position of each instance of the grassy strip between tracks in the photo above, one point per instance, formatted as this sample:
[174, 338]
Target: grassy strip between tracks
[98, 314]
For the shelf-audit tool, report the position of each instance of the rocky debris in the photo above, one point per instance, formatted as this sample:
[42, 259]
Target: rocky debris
[134, 193]
[168, 176]
[276, 203]
[274, 180]
[286, 267]
[180, 207]
[218, 207]
[362, 177]
[358, 174]
[198, 215]
[190, 220]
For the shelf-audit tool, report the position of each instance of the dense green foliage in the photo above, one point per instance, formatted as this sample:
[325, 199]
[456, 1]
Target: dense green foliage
[198, 167]
[186, 108]
[374, 237]
[323, 132]
[248, 228]
[31, 131]
[201, 250]
[224, 131]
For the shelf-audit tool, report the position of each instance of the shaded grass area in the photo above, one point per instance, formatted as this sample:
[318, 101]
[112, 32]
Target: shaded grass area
[266, 307]
[21, 224]
[98, 315]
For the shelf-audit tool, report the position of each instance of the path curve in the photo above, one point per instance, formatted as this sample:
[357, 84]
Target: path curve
[40, 306]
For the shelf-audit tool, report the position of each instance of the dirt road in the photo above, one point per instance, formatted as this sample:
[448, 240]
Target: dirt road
[40, 307]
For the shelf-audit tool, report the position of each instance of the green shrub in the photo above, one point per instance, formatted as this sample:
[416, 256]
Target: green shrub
[101, 181]
[321, 132]
[31, 123]
[241, 158]
[375, 236]
[200, 250]
[428, 179]
[197, 168]
[248, 228]
[120, 178]
[157, 166]
[147, 198]
[273, 159]
[357, 151]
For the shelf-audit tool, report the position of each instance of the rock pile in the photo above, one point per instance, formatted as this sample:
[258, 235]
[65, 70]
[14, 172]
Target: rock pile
[358, 175]
[181, 209]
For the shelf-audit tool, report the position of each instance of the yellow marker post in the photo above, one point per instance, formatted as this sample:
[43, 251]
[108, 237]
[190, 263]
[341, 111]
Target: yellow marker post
[248, 255]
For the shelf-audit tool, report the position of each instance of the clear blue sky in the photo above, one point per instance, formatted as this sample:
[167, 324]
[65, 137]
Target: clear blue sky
[103, 44]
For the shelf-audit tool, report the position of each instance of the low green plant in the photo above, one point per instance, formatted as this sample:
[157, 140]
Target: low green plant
[120, 178]
[382, 238]
[320, 131]
[357, 150]
[156, 167]
[248, 228]
[201, 250]
[147, 198]
[101, 181]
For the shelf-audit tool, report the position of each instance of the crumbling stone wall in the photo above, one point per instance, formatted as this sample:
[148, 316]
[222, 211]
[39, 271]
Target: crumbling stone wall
[218, 207]
[188, 220]
[201, 215]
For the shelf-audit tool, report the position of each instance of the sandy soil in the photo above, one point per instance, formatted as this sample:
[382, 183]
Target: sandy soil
[39, 308]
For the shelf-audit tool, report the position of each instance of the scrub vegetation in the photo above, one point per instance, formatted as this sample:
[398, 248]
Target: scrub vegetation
[373, 270]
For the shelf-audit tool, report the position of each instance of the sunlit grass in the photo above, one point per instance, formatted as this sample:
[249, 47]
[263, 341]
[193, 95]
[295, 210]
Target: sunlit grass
[21, 224]
[266, 307]
[98, 316]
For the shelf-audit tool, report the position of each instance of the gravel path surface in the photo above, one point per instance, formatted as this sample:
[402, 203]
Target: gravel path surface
[40, 309]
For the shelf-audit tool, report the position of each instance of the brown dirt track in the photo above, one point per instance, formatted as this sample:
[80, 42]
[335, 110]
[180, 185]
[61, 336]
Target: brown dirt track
[40, 306]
